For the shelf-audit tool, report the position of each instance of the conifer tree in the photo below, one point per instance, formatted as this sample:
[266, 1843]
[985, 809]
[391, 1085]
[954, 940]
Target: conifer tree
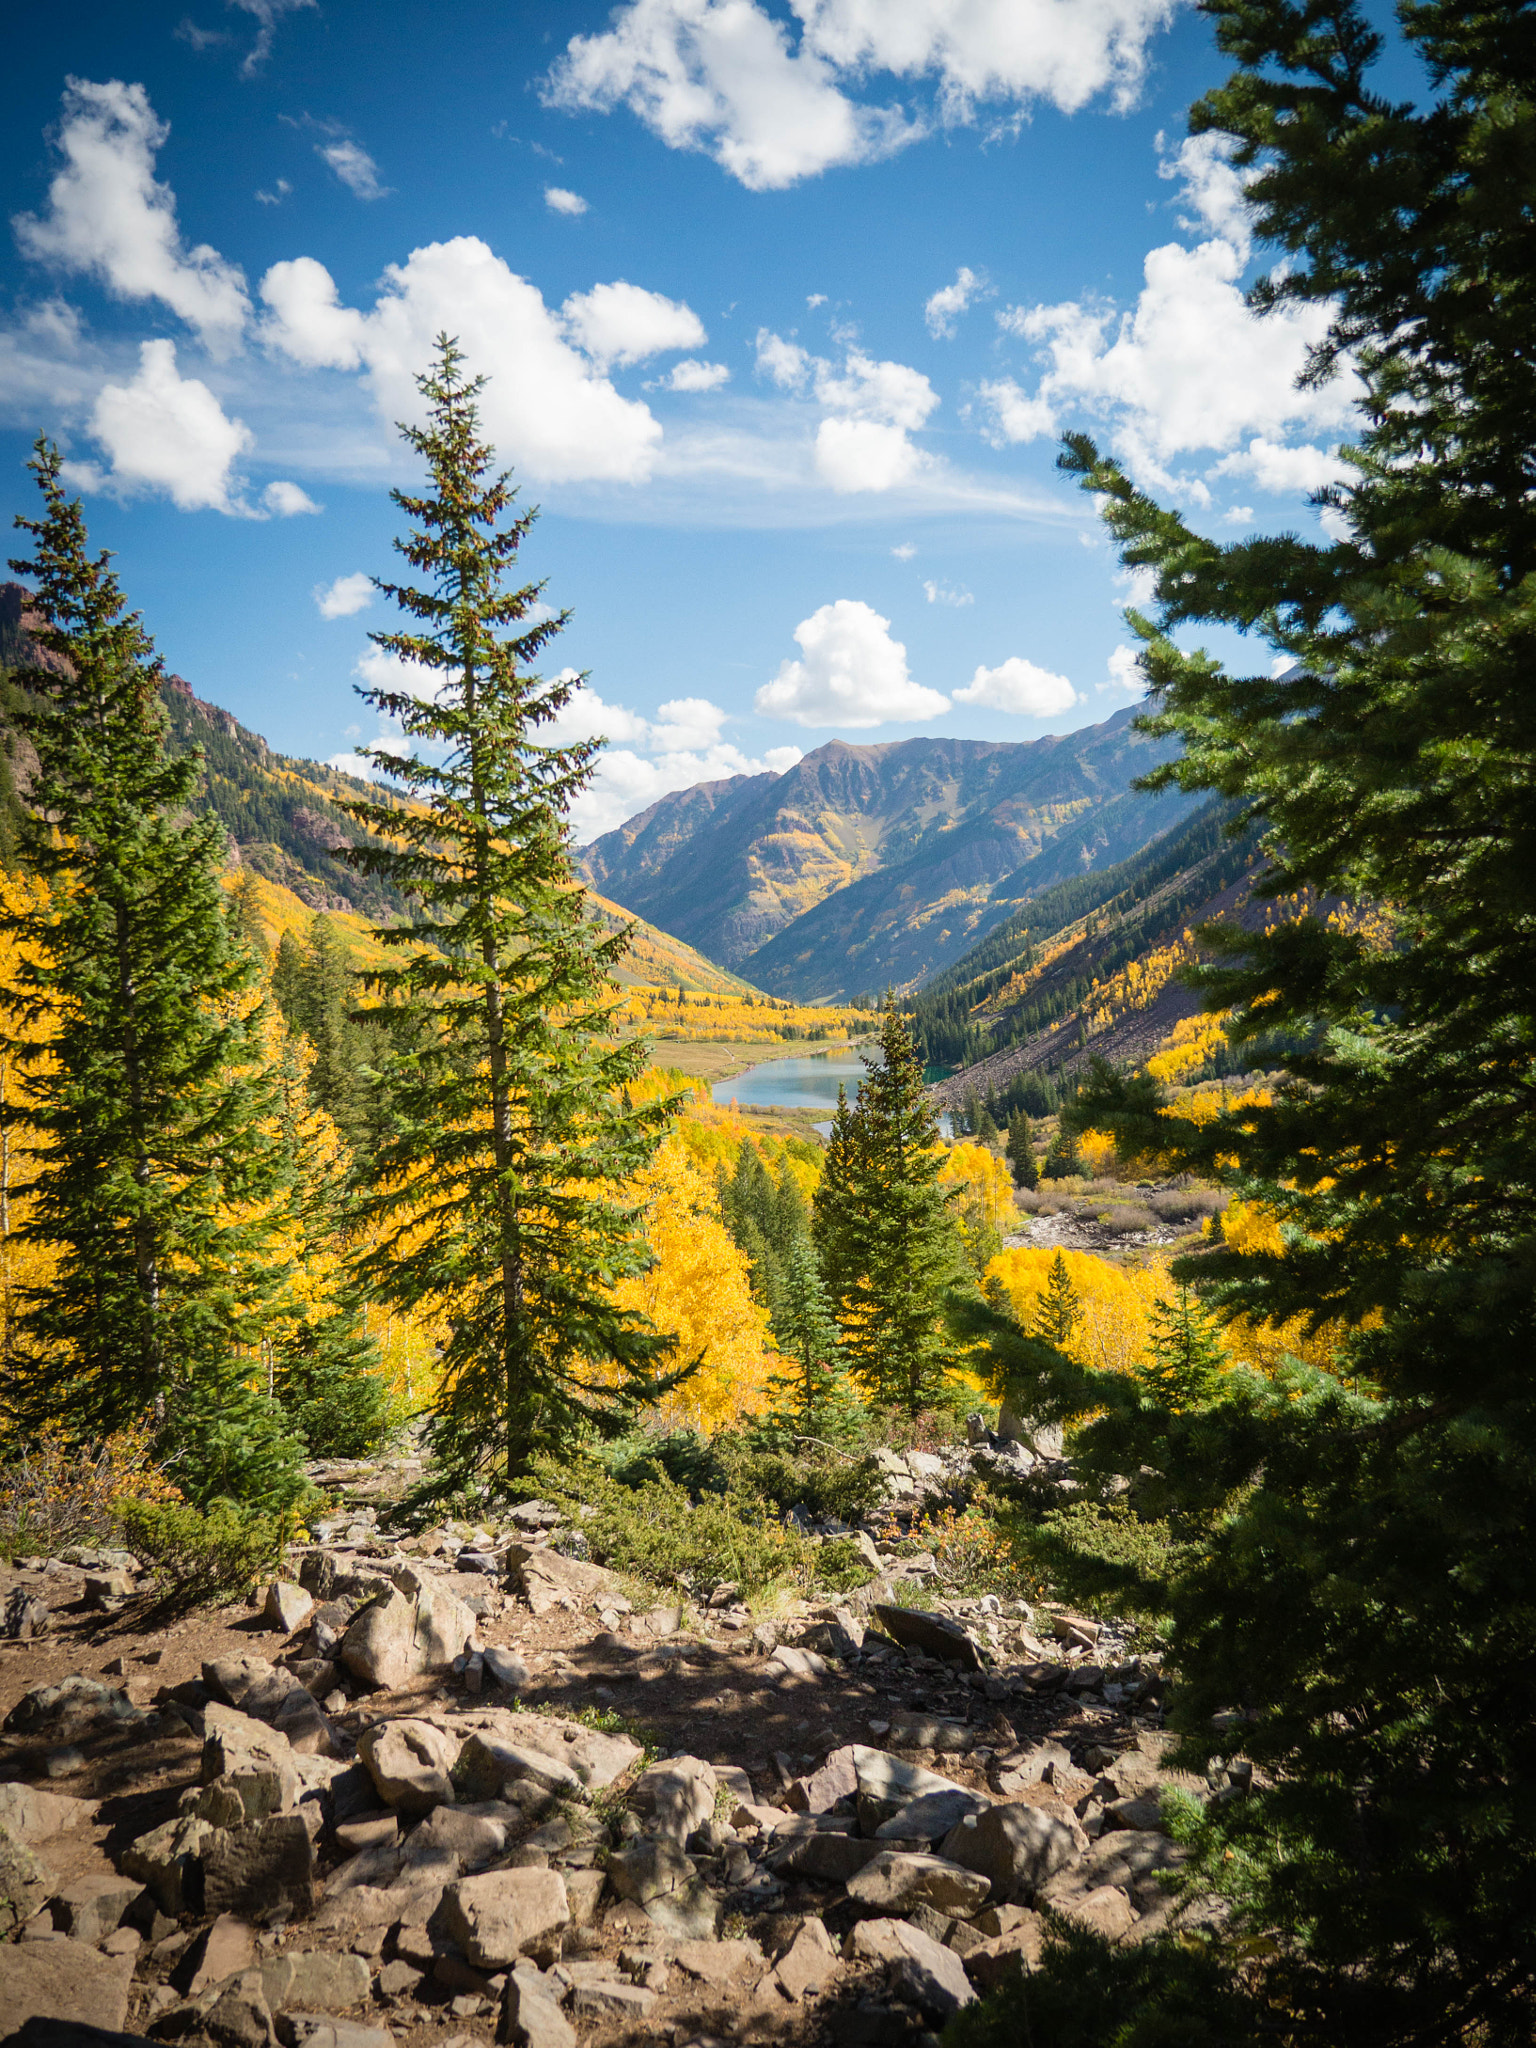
[146, 1089]
[1059, 1309]
[815, 1390]
[493, 1203]
[1063, 1159]
[1021, 1152]
[888, 1243]
[1184, 1354]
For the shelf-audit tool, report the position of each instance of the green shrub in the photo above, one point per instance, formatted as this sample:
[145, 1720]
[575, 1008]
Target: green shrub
[1103, 1556]
[202, 1557]
[840, 1565]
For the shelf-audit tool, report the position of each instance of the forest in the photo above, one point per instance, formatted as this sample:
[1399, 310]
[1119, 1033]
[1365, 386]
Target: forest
[281, 1187]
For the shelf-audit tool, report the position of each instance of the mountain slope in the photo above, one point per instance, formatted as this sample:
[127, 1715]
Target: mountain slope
[905, 851]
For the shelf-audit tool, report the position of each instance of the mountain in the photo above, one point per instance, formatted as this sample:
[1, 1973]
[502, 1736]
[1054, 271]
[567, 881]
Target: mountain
[282, 816]
[1091, 968]
[866, 866]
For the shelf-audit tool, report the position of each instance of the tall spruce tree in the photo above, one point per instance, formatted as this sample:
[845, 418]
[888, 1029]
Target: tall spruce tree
[1184, 1353]
[1363, 1586]
[887, 1243]
[493, 1202]
[146, 1090]
[1059, 1309]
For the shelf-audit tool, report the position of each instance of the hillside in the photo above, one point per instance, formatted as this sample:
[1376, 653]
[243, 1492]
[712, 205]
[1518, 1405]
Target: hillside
[864, 865]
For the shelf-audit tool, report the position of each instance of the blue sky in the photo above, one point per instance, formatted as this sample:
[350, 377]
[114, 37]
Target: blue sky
[785, 303]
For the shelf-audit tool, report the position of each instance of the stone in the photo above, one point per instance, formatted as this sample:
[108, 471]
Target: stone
[691, 1913]
[837, 1779]
[73, 1707]
[314, 2030]
[716, 1962]
[249, 1684]
[930, 1816]
[887, 1783]
[168, 1861]
[62, 1980]
[32, 1815]
[530, 2012]
[506, 1667]
[489, 1768]
[227, 1948]
[103, 1590]
[443, 1627]
[1017, 1848]
[675, 1797]
[921, 1971]
[1128, 1859]
[794, 1662]
[824, 1859]
[287, 1607]
[301, 1719]
[25, 1882]
[93, 1907]
[1105, 1911]
[457, 1840]
[494, 1917]
[314, 1977]
[370, 1831]
[398, 1980]
[27, 1615]
[1006, 1954]
[1018, 1773]
[65, 1762]
[379, 1645]
[411, 1764]
[1144, 1815]
[893, 1882]
[548, 1581]
[938, 1635]
[583, 1891]
[931, 1731]
[611, 2000]
[328, 1625]
[808, 1962]
[236, 1746]
[266, 1871]
[649, 1868]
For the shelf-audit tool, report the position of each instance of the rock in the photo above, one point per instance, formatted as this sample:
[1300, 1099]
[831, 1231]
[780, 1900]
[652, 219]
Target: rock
[455, 1840]
[488, 1768]
[301, 1719]
[530, 2012]
[235, 1746]
[691, 1913]
[168, 1860]
[922, 1972]
[1128, 1860]
[825, 1859]
[443, 1626]
[249, 1684]
[548, 1581]
[329, 1623]
[1017, 1848]
[717, 1963]
[924, 1465]
[535, 1514]
[494, 1917]
[398, 1980]
[266, 1872]
[1005, 1954]
[25, 1882]
[313, 2030]
[893, 1882]
[65, 1762]
[315, 1978]
[73, 1707]
[650, 1868]
[930, 1817]
[1014, 1776]
[675, 1797]
[931, 1731]
[93, 1907]
[807, 1963]
[836, 1780]
[227, 1948]
[797, 1663]
[26, 1615]
[103, 1590]
[583, 1890]
[379, 1645]
[1143, 1815]
[595, 1758]
[506, 1667]
[887, 1783]
[410, 1763]
[611, 2000]
[1105, 1911]
[939, 1635]
[32, 1815]
[62, 1980]
[287, 1607]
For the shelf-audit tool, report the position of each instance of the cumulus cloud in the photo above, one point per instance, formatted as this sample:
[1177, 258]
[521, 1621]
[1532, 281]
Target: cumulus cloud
[165, 432]
[109, 218]
[872, 406]
[723, 77]
[1125, 671]
[354, 166]
[943, 310]
[546, 407]
[1019, 686]
[947, 593]
[287, 500]
[692, 375]
[559, 200]
[786, 363]
[346, 596]
[850, 673]
[904, 551]
[624, 323]
[1274, 467]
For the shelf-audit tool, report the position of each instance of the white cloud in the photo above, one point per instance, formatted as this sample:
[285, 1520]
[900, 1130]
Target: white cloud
[558, 200]
[280, 190]
[109, 217]
[354, 166]
[873, 406]
[904, 551]
[943, 310]
[1019, 686]
[815, 299]
[545, 407]
[692, 375]
[785, 362]
[623, 323]
[1212, 185]
[268, 13]
[1125, 671]
[851, 673]
[1015, 415]
[947, 593]
[287, 500]
[344, 597]
[864, 455]
[394, 675]
[165, 432]
[723, 77]
[1280, 469]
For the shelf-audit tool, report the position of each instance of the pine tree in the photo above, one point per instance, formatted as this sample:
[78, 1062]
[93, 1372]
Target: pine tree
[148, 1091]
[1021, 1152]
[888, 1244]
[1063, 1160]
[816, 1392]
[1059, 1309]
[1184, 1354]
[1362, 1580]
[493, 1203]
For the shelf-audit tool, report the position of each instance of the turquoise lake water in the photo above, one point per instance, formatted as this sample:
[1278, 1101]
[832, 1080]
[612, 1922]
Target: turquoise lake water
[809, 1083]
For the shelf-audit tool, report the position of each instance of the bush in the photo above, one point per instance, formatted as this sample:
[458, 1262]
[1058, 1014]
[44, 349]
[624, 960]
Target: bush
[1123, 1221]
[1103, 1556]
[839, 1565]
[204, 1558]
[53, 1493]
[972, 1553]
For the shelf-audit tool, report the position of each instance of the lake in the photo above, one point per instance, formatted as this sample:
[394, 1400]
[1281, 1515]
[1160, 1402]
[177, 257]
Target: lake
[808, 1083]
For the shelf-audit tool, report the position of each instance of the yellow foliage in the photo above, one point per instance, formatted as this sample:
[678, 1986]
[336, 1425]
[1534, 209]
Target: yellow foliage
[983, 1206]
[1190, 1044]
[1116, 1301]
[699, 1289]
[684, 1015]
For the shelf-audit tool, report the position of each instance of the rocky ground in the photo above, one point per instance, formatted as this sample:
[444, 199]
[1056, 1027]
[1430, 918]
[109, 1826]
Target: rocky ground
[460, 1787]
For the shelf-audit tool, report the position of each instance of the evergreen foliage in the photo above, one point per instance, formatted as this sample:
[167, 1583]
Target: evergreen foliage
[1184, 1353]
[147, 1092]
[1021, 1151]
[885, 1238]
[1063, 1158]
[815, 1393]
[1059, 1310]
[316, 986]
[492, 1199]
[1362, 1584]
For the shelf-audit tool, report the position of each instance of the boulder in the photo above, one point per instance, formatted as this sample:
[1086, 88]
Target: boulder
[315, 1978]
[266, 1872]
[837, 1779]
[1005, 1954]
[303, 1721]
[1105, 1911]
[73, 1707]
[716, 1963]
[26, 1615]
[675, 1797]
[379, 1645]
[93, 1907]
[489, 1768]
[443, 1625]
[32, 1815]
[456, 1839]
[887, 1783]
[824, 1859]
[895, 1881]
[1016, 1848]
[249, 1684]
[596, 1758]
[62, 1980]
[530, 2012]
[649, 1868]
[227, 1948]
[806, 1965]
[168, 1861]
[938, 1635]
[495, 1916]
[930, 1816]
[410, 1763]
[25, 1882]
[795, 1662]
[920, 1970]
[549, 1581]
[1130, 1860]
[287, 1607]
[313, 2030]
[506, 1667]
